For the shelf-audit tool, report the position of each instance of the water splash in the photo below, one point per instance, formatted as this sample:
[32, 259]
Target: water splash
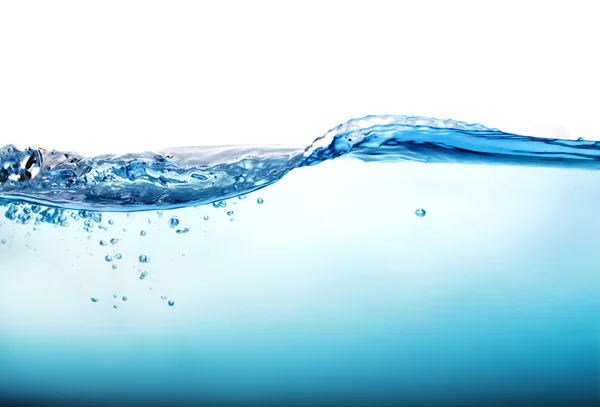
[202, 175]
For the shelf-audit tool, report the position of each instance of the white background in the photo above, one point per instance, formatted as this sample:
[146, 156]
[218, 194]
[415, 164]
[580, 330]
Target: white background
[117, 76]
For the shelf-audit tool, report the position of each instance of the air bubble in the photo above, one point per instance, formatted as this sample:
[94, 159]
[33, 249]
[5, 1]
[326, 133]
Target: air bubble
[143, 233]
[260, 201]
[173, 222]
[108, 257]
[229, 213]
[124, 298]
[103, 243]
[114, 240]
[182, 231]
[206, 218]
[118, 256]
[144, 259]
[420, 212]
[94, 299]
[111, 222]
[171, 303]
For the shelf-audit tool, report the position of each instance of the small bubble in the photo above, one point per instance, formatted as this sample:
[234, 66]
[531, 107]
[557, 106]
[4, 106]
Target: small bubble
[114, 266]
[114, 240]
[108, 257]
[420, 212]
[115, 306]
[143, 233]
[124, 298]
[3, 241]
[118, 256]
[173, 222]
[182, 231]
[144, 259]
[115, 295]
[229, 213]
[242, 197]
[220, 204]
[103, 243]
[111, 222]
[160, 213]
[260, 201]
[124, 229]
[206, 218]
[94, 299]
[231, 219]
[171, 303]
[164, 297]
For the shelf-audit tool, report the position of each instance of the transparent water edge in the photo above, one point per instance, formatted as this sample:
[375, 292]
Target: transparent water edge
[380, 279]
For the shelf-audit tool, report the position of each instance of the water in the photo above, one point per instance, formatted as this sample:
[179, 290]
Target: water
[372, 277]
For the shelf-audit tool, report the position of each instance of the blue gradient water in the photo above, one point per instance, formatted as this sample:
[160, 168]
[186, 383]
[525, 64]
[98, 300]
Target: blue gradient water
[373, 277]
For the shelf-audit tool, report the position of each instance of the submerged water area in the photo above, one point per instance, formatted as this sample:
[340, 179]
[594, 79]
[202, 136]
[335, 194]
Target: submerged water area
[373, 277]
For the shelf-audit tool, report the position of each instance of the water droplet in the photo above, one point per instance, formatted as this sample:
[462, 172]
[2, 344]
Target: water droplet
[420, 212]
[580, 139]
[174, 222]
[115, 306]
[259, 201]
[124, 298]
[171, 303]
[182, 231]
[144, 259]
[103, 243]
[229, 213]
[143, 233]
[206, 218]
[111, 222]
[118, 256]
[94, 299]
[164, 297]
[108, 257]
[114, 240]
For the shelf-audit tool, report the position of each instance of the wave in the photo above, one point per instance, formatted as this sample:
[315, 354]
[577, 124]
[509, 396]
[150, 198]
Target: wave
[191, 176]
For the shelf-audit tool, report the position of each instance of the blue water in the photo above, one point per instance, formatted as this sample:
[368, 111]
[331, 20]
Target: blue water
[248, 274]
